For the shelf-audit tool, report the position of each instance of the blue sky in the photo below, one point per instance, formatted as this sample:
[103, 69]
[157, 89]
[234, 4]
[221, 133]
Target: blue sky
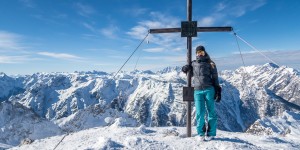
[86, 35]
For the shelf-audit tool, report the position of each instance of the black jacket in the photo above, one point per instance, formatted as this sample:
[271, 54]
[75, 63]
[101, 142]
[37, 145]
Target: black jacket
[205, 75]
[204, 72]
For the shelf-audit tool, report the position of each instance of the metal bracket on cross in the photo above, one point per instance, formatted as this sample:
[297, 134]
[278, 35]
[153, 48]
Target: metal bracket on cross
[188, 28]
[188, 94]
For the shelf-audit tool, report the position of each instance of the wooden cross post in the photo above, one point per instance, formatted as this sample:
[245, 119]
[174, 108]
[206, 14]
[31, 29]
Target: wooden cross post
[189, 29]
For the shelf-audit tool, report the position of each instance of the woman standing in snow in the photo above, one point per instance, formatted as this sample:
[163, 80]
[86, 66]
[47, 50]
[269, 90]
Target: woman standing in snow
[206, 91]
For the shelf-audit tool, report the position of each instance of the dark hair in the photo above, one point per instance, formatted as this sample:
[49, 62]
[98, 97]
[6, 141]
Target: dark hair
[200, 48]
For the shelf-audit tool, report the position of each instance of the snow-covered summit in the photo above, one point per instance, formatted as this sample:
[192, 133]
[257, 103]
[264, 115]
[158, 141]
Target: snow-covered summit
[2, 74]
[10, 86]
[168, 138]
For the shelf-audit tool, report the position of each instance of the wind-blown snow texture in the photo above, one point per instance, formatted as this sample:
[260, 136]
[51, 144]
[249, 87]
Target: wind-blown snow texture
[170, 138]
[81, 100]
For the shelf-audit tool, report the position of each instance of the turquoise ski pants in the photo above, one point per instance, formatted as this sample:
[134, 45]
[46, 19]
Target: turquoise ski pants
[205, 98]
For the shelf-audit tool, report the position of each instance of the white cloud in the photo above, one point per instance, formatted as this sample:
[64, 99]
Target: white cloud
[158, 20]
[166, 41]
[84, 10]
[239, 8]
[88, 26]
[153, 50]
[139, 11]
[60, 55]
[220, 6]
[9, 41]
[164, 20]
[13, 59]
[110, 31]
[28, 3]
[207, 21]
[138, 31]
[226, 10]
[135, 11]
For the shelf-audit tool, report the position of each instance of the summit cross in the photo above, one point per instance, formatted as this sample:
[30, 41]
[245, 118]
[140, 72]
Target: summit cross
[189, 29]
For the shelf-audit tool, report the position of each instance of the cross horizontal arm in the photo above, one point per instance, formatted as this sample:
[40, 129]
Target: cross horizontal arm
[214, 29]
[165, 30]
[199, 29]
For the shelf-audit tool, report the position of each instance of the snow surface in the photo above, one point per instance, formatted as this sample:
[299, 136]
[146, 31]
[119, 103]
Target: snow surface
[158, 138]
[117, 136]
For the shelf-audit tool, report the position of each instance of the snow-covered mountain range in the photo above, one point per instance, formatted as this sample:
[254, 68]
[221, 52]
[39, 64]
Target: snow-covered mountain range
[81, 100]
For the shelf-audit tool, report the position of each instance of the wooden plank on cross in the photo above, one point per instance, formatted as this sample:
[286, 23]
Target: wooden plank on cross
[199, 29]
